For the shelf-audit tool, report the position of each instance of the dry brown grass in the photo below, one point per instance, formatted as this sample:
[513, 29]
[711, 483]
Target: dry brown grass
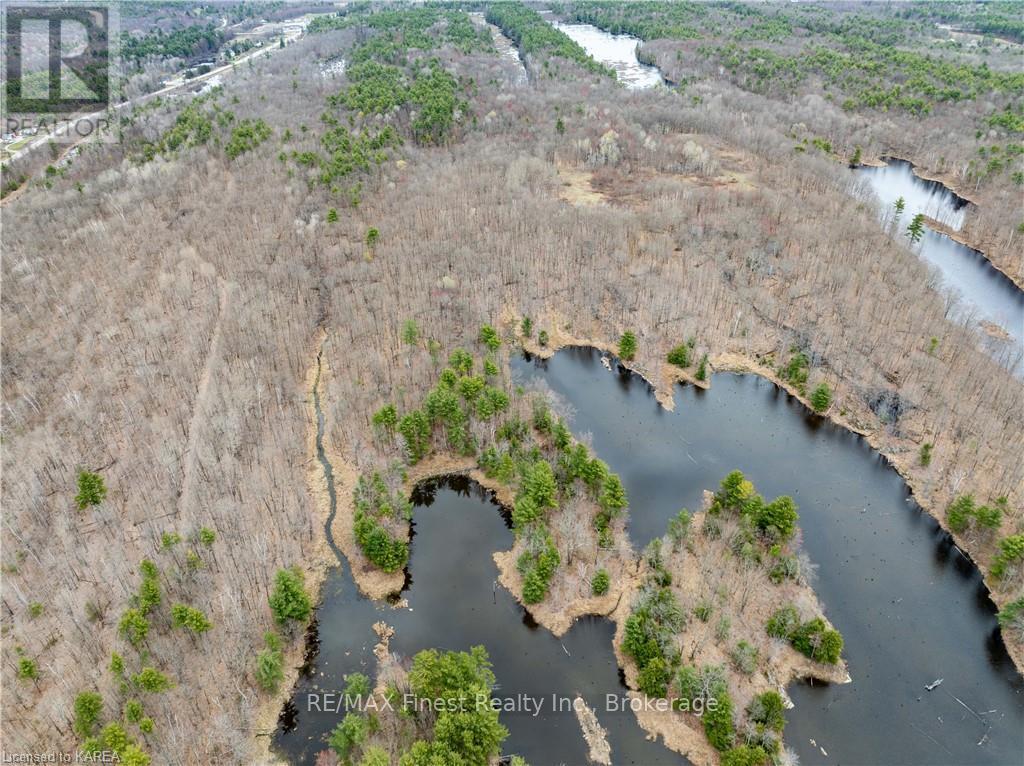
[111, 306]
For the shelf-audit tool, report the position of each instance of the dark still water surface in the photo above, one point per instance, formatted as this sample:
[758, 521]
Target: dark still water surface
[454, 604]
[910, 607]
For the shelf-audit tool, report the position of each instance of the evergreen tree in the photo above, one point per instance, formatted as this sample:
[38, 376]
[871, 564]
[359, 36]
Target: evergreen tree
[613, 494]
[91, 489]
[679, 528]
[732, 492]
[88, 709]
[768, 709]
[461, 361]
[471, 734]
[133, 627]
[410, 332]
[778, 518]
[821, 398]
[746, 755]
[989, 517]
[415, 429]
[183, 616]
[133, 711]
[702, 368]
[289, 600]
[489, 337]
[539, 485]
[374, 755]
[915, 230]
[959, 513]
[627, 346]
[654, 677]
[152, 680]
[386, 417]
[270, 664]
[717, 720]
[680, 356]
[28, 670]
[1011, 552]
[924, 456]
[1012, 615]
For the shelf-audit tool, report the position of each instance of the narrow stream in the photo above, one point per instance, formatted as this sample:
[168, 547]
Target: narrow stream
[325, 464]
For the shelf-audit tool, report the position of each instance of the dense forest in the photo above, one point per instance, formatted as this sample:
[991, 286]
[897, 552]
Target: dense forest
[187, 43]
[395, 231]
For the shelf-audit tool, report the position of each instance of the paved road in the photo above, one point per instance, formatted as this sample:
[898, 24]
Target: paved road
[87, 121]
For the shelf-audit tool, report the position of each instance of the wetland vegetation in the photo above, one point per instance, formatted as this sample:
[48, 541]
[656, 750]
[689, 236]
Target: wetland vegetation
[366, 384]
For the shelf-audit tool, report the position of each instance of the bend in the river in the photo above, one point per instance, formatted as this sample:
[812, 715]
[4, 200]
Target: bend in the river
[912, 608]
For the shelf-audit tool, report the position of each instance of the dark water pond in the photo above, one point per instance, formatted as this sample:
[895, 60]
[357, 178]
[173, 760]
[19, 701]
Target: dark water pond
[454, 604]
[911, 607]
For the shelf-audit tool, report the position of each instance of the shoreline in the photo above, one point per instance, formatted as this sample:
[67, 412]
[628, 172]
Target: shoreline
[684, 733]
[739, 363]
[960, 238]
[679, 737]
[951, 185]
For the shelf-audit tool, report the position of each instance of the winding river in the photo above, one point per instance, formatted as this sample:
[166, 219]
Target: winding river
[986, 293]
[911, 607]
[615, 51]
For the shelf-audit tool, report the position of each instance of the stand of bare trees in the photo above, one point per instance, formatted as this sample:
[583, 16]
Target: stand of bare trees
[946, 144]
[159, 324]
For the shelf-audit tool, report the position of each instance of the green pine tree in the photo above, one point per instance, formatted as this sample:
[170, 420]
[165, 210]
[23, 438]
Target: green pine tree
[627, 346]
[915, 230]
[91, 489]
